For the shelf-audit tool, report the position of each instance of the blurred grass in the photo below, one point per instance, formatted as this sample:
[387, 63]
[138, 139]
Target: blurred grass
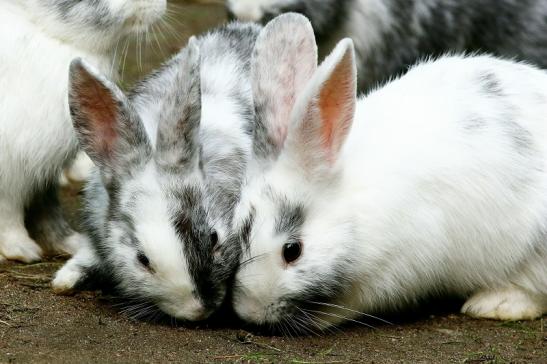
[184, 19]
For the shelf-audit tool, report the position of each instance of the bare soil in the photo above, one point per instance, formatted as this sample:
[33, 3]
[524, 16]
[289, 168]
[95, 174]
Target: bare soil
[37, 326]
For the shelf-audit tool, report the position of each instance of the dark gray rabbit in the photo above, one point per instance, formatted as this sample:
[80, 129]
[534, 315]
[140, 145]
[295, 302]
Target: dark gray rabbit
[391, 35]
[171, 157]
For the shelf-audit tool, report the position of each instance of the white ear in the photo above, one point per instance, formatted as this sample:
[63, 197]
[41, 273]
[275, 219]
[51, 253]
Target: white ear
[324, 113]
[284, 60]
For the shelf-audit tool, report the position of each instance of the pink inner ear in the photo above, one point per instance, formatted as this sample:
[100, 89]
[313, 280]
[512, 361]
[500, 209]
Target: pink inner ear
[100, 109]
[337, 105]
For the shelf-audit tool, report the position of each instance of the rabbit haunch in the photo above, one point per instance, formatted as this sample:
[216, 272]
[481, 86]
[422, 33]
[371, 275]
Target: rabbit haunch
[437, 185]
[39, 40]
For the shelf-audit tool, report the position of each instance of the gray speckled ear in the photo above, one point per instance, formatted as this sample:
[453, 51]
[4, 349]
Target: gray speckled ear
[284, 60]
[108, 128]
[177, 139]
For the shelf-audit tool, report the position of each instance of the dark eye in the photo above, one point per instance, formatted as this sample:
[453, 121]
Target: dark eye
[214, 239]
[292, 251]
[143, 259]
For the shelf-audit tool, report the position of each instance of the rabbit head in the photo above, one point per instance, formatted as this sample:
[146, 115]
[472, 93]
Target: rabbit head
[93, 23]
[296, 249]
[158, 244]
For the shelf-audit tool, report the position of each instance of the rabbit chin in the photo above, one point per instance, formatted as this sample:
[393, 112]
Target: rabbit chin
[188, 309]
[299, 318]
[142, 14]
[253, 310]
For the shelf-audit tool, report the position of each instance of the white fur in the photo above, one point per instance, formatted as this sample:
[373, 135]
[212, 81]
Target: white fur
[417, 203]
[160, 243]
[66, 278]
[36, 135]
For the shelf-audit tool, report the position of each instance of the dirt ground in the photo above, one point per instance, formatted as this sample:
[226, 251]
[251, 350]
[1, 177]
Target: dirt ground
[38, 326]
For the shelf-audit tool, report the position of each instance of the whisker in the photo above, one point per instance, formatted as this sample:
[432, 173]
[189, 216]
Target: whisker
[341, 317]
[125, 50]
[252, 259]
[172, 31]
[326, 325]
[350, 310]
[306, 325]
[114, 58]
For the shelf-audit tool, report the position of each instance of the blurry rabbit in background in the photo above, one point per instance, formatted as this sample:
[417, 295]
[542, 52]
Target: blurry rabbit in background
[391, 35]
[39, 40]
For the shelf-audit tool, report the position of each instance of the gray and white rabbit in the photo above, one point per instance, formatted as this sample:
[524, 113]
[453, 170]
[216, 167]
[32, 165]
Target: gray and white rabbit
[434, 184]
[391, 35]
[171, 158]
[39, 40]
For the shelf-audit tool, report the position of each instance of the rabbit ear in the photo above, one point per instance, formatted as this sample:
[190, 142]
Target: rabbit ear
[108, 128]
[324, 113]
[283, 61]
[177, 139]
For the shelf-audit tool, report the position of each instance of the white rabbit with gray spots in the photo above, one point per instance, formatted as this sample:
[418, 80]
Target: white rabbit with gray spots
[39, 39]
[391, 35]
[171, 158]
[434, 184]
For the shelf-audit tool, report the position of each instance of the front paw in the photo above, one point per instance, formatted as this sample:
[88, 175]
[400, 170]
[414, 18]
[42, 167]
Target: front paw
[67, 278]
[23, 250]
[510, 304]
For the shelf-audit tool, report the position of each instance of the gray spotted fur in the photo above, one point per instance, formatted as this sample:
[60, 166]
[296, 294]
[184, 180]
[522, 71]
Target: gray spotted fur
[201, 170]
[515, 29]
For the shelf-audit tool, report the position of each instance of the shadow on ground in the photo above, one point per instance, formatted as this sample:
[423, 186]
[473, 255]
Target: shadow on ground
[37, 326]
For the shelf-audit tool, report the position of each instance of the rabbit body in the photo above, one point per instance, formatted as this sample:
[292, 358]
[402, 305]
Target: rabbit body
[391, 35]
[40, 38]
[170, 186]
[436, 186]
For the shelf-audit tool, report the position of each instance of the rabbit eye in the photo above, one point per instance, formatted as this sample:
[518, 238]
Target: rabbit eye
[143, 259]
[292, 251]
[214, 239]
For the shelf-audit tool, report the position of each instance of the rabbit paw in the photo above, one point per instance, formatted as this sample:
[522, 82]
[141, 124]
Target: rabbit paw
[79, 171]
[66, 278]
[511, 304]
[23, 249]
[75, 271]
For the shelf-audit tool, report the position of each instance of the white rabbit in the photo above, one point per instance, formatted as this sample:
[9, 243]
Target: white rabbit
[436, 185]
[39, 39]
